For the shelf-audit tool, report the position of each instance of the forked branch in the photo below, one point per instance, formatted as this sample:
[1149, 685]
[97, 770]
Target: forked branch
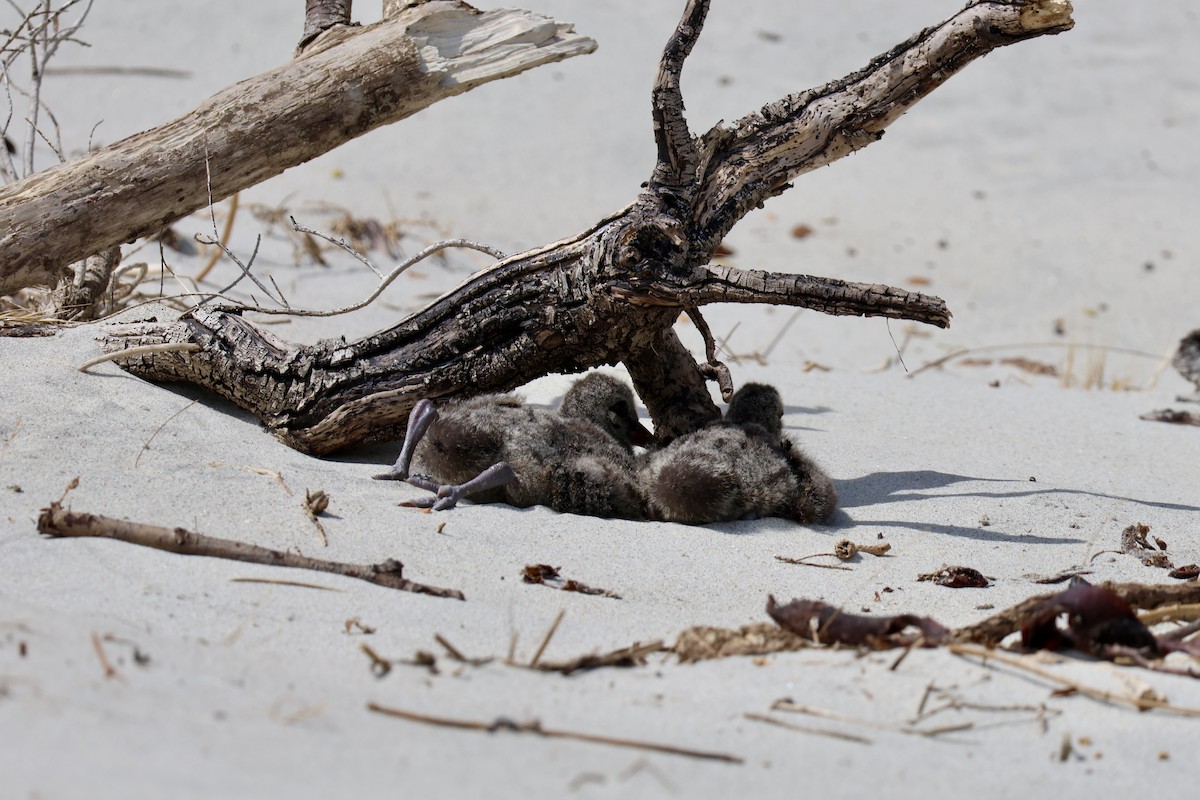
[611, 293]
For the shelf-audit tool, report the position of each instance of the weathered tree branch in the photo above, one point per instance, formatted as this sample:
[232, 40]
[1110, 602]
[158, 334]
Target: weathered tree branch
[610, 293]
[255, 129]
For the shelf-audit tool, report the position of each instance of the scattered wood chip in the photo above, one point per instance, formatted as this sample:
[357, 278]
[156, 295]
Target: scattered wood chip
[546, 575]
[1135, 542]
[1173, 416]
[762, 638]
[1187, 573]
[632, 656]
[956, 577]
[1061, 577]
[802, 231]
[27, 330]
[1031, 366]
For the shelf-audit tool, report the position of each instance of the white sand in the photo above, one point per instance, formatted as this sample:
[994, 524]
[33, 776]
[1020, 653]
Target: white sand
[1035, 186]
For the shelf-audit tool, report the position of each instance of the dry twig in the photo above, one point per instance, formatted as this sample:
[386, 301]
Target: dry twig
[535, 727]
[59, 522]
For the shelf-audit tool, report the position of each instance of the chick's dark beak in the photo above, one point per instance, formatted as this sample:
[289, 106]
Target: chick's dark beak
[639, 435]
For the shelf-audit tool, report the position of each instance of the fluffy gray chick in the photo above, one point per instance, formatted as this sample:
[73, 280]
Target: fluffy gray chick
[741, 467]
[494, 448]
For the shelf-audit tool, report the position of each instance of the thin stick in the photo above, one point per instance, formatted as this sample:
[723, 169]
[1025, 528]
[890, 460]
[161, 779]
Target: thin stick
[549, 635]
[787, 705]
[779, 336]
[1182, 611]
[380, 666]
[713, 369]
[803, 563]
[536, 728]
[937, 362]
[149, 72]
[1140, 703]
[109, 670]
[791, 726]
[224, 239]
[130, 352]
[451, 649]
[387, 281]
[146, 444]
[276, 582]
[59, 522]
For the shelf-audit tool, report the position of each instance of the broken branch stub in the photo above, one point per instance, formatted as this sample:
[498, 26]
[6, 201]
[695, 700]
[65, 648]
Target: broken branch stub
[612, 293]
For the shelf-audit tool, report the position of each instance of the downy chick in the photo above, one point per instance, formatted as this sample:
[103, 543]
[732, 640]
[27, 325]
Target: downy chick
[741, 467]
[496, 449]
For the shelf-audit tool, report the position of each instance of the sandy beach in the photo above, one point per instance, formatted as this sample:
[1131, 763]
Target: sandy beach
[1047, 193]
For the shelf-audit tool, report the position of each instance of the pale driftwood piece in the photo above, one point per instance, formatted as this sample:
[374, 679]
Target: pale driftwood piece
[340, 88]
[610, 293]
[57, 521]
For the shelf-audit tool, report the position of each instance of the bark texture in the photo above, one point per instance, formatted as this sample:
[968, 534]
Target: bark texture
[321, 15]
[612, 292]
[340, 88]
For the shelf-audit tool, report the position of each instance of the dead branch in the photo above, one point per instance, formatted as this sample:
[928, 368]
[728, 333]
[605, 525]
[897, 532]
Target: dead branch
[535, 727]
[333, 92]
[611, 293]
[57, 521]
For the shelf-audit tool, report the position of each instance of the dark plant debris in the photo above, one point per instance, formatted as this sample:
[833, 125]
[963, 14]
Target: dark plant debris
[1173, 416]
[1186, 573]
[956, 577]
[703, 642]
[822, 623]
[546, 575]
[1135, 542]
[1096, 620]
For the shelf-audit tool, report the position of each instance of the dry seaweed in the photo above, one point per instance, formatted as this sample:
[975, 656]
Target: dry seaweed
[1135, 542]
[1096, 619]
[956, 577]
[702, 642]
[829, 625]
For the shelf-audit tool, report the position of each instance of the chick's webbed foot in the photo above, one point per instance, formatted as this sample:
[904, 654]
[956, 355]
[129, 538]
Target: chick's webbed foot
[446, 496]
[420, 418]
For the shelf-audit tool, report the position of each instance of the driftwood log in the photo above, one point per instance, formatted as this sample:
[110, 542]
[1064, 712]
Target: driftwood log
[348, 81]
[611, 293]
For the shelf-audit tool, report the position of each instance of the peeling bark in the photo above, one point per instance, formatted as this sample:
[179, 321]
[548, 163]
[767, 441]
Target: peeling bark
[611, 293]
